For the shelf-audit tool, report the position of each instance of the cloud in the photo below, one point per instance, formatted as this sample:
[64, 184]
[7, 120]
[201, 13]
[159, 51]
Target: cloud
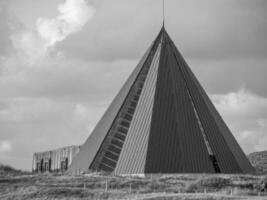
[256, 138]
[88, 115]
[248, 73]
[211, 29]
[5, 146]
[246, 115]
[33, 110]
[30, 46]
[241, 103]
[77, 69]
[73, 16]
[4, 28]
[72, 79]
[36, 44]
[39, 124]
[81, 111]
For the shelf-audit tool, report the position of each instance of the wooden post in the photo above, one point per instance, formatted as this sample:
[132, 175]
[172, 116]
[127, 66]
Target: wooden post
[106, 185]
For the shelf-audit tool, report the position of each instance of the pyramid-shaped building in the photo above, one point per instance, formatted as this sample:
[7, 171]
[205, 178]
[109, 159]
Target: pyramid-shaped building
[161, 121]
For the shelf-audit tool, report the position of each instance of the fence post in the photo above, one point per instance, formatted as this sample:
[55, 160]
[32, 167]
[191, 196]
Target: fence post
[106, 185]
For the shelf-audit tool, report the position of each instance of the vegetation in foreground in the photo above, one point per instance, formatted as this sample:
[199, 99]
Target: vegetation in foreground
[100, 186]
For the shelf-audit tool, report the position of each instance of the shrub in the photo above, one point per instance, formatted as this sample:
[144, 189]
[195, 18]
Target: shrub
[262, 185]
[210, 183]
[214, 182]
[193, 187]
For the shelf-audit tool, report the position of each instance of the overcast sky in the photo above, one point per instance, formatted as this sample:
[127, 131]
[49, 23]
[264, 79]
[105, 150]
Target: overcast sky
[62, 62]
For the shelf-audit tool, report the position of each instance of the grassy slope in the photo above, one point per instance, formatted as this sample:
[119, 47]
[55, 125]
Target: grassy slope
[6, 169]
[150, 187]
[259, 161]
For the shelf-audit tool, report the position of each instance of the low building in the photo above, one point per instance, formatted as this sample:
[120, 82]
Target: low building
[54, 160]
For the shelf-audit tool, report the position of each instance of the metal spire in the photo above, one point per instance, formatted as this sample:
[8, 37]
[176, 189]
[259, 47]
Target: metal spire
[163, 11]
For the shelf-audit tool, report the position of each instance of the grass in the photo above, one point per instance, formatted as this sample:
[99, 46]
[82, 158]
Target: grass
[169, 187]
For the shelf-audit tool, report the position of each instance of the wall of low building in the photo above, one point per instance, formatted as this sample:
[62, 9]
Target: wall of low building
[54, 160]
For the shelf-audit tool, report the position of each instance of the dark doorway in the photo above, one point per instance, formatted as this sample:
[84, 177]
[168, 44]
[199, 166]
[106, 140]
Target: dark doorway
[66, 163]
[46, 166]
[62, 165]
[50, 165]
[38, 167]
[41, 165]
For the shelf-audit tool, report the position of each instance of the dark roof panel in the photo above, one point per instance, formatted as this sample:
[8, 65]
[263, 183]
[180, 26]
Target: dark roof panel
[175, 141]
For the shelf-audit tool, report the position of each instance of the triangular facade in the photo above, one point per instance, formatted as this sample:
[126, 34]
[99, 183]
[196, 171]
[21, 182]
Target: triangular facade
[161, 121]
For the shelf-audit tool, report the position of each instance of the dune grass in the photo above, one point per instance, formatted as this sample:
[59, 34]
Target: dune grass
[97, 186]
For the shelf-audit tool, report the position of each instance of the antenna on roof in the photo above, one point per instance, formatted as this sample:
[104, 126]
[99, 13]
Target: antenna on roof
[163, 11]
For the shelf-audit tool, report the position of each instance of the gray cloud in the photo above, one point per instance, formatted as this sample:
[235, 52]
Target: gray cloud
[57, 101]
[38, 124]
[72, 79]
[207, 30]
[222, 76]
[246, 114]
[219, 30]
[4, 28]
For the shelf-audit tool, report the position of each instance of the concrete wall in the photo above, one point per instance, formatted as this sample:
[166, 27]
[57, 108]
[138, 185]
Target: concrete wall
[54, 160]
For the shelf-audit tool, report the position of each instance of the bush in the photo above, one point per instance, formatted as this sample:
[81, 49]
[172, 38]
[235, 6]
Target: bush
[214, 182]
[209, 183]
[193, 187]
[262, 185]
